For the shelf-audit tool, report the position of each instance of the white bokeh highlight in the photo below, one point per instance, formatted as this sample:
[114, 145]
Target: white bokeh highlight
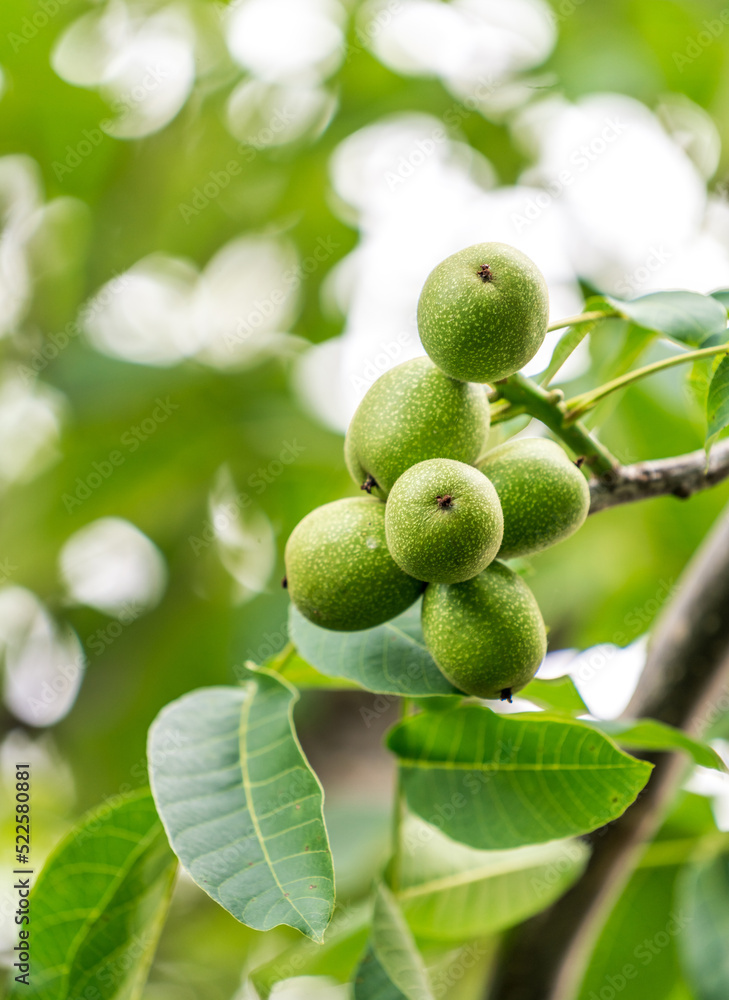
[234, 313]
[287, 40]
[606, 676]
[465, 42]
[112, 566]
[262, 114]
[143, 66]
[244, 538]
[25, 222]
[714, 785]
[31, 416]
[44, 663]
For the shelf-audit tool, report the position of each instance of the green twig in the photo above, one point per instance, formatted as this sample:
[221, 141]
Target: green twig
[548, 406]
[578, 405]
[503, 410]
[582, 318]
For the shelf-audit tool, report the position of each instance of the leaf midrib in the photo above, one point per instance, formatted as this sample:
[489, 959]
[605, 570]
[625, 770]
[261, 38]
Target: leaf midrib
[245, 712]
[477, 766]
[458, 879]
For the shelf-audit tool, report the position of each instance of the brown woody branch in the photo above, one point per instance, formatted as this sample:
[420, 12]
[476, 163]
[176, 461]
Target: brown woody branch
[679, 477]
[686, 672]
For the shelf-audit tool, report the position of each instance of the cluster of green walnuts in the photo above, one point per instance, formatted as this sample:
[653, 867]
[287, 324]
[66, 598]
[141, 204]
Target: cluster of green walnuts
[443, 513]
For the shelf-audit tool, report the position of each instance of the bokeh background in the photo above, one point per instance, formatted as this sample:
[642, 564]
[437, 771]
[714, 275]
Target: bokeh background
[215, 220]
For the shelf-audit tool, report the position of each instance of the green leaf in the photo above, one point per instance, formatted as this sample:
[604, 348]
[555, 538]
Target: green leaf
[702, 895]
[496, 781]
[566, 345]
[392, 968]
[450, 892]
[293, 668]
[717, 402]
[722, 295]
[241, 806]
[389, 659]
[688, 317]
[105, 889]
[636, 955]
[337, 957]
[648, 734]
[573, 337]
[558, 694]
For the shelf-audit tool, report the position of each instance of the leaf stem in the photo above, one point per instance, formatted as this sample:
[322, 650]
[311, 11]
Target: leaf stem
[398, 815]
[281, 658]
[548, 406]
[503, 410]
[578, 405]
[582, 318]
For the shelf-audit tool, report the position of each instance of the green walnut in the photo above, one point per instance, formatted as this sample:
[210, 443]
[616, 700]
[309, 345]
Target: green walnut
[544, 496]
[487, 634]
[443, 521]
[483, 312]
[412, 413]
[339, 572]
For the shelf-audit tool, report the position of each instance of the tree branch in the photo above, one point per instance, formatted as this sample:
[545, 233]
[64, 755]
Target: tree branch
[680, 477]
[686, 671]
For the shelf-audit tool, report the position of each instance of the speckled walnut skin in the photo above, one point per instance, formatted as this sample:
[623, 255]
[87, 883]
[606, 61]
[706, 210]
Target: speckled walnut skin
[412, 413]
[443, 521]
[483, 312]
[339, 571]
[544, 496]
[487, 634]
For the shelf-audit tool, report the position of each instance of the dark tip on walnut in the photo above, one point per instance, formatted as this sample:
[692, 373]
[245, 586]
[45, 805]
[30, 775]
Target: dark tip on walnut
[580, 461]
[369, 484]
[485, 273]
[506, 695]
[285, 582]
[444, 502]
